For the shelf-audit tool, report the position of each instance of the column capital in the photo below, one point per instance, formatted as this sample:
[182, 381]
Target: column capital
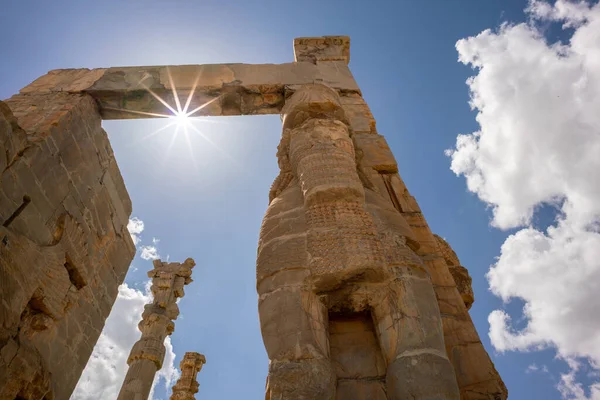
[187, 385]
[312, 101]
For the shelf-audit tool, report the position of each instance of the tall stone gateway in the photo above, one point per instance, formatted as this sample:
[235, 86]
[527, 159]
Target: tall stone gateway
[357, 298]
[187, 385]
[148, 353]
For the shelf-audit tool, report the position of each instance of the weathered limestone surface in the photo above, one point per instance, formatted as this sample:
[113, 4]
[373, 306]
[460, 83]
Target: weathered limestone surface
[187, 385]
[475, 373]
[326, 48]
[229, 89]
[344, 247]
[148, 353]
[64, 245]
[331, 251]
[357, 298]
[459, 273]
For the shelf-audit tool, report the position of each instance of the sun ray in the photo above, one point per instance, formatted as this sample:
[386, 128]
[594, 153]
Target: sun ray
[186, 134]
[154, 133]
[206, 120]
[189, 99]
[175, 95]
[201, 107]
[170, 146]
[139, 112]
[157, 97]
[213, 144]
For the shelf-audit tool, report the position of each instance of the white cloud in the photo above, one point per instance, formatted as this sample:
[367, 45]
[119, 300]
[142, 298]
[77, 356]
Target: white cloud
[104, 373]
[149, 253]
[532, 368]
[539, 143]
[135, 227]
[571, 389]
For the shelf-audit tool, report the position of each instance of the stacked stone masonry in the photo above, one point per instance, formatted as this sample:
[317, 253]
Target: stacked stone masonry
[64, 244]
[358, 299]
[148, 353]
[187, 384]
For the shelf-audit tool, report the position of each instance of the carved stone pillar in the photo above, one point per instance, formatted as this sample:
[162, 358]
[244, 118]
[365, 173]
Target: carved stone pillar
[347, 307]
[148, 353]
[187, 385]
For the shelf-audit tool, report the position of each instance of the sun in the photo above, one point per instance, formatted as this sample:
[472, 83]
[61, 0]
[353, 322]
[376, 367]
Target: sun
[178, 116]
[181, 119]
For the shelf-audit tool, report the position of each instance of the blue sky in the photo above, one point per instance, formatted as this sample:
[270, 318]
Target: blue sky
[207, 200]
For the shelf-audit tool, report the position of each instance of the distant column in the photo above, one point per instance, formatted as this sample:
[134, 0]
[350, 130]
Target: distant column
[147, 355]
[187, 385]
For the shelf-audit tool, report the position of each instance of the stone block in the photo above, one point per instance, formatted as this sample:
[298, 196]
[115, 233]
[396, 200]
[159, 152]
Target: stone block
[360, 118]
[219, 89]
[325, 48]
[374, 152]
[57, 209]
[281, 254]
[301, 379]
[360, 390]
[425, 375]
[355, 351]
[293, 325]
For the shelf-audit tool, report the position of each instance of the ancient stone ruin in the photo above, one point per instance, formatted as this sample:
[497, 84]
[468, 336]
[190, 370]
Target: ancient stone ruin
[358, 299]
[148, 353]
[187, 385]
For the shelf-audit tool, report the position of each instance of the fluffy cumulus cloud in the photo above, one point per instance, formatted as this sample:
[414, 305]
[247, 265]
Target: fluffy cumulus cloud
[106, 369]
[135, 227]
[147, 252]
[539, 143]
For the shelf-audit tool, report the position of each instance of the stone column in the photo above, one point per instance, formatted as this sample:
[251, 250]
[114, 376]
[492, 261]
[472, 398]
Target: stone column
[148, 353]
[187, 385]
[336, 260]
[475, 372]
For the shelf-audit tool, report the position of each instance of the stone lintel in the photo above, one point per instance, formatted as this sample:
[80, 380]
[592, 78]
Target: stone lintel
[226, 89]
[324, 48]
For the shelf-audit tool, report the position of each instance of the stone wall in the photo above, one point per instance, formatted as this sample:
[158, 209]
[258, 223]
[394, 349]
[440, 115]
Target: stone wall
[64, 244]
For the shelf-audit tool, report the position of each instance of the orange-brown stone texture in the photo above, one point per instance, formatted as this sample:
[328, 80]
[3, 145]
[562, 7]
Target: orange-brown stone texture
[64, 244]
[358, 299]
[187, 384]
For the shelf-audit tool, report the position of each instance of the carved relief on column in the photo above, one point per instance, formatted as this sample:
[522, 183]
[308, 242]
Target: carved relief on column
[187, 385]
[334, 257]
[148, 353]
[342, 238]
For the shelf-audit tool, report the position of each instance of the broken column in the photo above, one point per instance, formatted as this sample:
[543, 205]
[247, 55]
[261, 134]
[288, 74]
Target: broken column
[148, 353]
[187, 385]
